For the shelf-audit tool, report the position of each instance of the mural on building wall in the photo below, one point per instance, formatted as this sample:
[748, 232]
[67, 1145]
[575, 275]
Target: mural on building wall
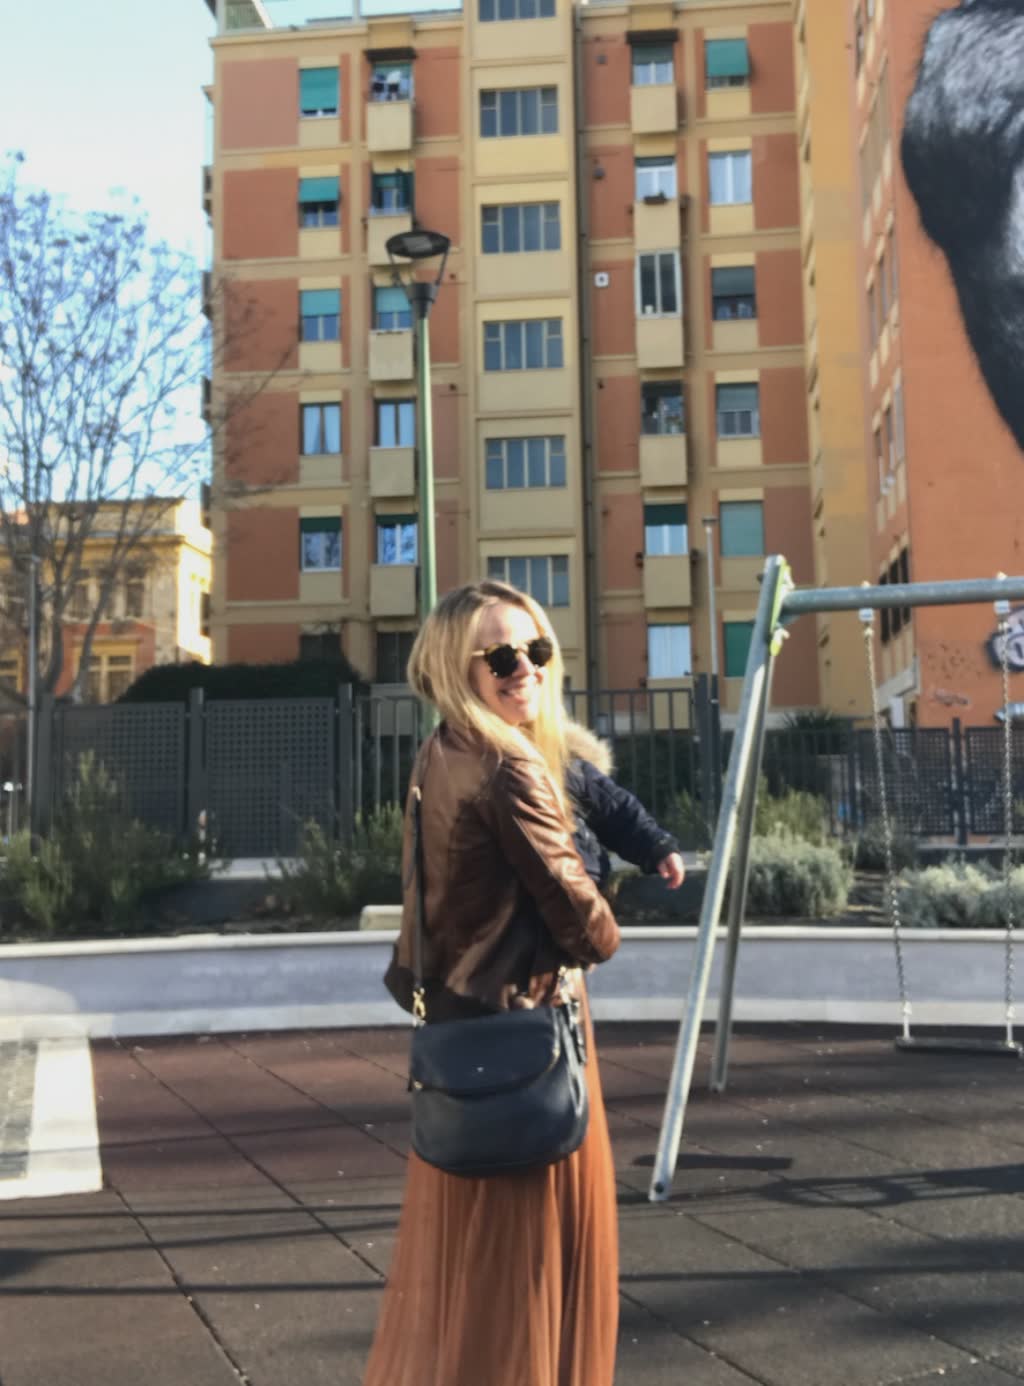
[963, 156]
[1014, 643]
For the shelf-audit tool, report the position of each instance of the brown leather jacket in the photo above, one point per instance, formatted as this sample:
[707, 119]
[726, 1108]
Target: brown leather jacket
[508, 900]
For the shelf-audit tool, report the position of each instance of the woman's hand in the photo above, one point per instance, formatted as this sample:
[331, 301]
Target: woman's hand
[672, 871]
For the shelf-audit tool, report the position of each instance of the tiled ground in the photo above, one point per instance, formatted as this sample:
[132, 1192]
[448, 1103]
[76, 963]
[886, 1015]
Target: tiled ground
[843, 1216]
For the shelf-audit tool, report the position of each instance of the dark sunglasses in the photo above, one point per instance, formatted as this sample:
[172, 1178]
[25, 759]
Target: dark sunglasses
[503, 660]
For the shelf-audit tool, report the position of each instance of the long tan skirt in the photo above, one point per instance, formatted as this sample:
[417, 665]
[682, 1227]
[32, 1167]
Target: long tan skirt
[507, 1281]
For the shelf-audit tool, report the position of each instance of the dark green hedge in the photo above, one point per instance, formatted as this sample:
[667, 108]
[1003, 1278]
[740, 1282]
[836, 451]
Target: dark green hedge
[306, 678]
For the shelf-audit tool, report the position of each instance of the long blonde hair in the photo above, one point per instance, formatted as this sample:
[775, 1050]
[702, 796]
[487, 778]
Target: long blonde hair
[438, 672]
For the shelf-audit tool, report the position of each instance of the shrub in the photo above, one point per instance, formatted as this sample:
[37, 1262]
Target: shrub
[796, 879]
[959, 896]
[331, 880]
[794, 812]
[302, 678]
[685, 820]
[869, 851]
[97, 862]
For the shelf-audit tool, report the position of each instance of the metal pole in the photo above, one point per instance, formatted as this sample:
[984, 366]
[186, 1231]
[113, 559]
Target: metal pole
[776, 574]
[31, 687]
[422, 297]
[709, 522]
[902, 594]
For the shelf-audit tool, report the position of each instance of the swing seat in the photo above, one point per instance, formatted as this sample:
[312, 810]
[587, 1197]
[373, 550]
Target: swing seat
[941, 1044]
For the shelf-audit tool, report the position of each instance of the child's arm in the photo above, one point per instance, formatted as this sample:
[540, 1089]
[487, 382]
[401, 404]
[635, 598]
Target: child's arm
[622, 824]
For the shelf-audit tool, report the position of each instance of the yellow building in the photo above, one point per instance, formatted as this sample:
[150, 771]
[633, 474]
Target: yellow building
[617, 346]
[158, 613]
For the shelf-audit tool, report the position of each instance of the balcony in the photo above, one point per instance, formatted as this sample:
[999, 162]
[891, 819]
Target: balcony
[389, 127]
[663, 459]
[654, 110]
[666, 581]
[392, 589]
[207, 293]
[379, 227]
[391, 355]
[208, 189]
[659, 342]
[392, 472]
[656, 224]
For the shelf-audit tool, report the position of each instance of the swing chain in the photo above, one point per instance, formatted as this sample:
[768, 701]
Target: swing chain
[1002, 611]
[867, 617]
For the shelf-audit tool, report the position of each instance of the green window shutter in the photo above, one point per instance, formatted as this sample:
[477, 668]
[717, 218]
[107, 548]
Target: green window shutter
[318, 88]
[390, 300]
[742, 526]
[726, 58]
[665, 514]
[733, 280]
[737, 646]
[384, 521]
[320, 302]
[318, 190]
[409, 185]
[738, 396]
[320, 524]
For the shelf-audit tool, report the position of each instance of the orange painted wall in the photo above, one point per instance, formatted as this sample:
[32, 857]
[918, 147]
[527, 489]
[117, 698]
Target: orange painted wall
[613, 310]
[258, 103]
[772, 81]
[262, 440]
[780, 298]
[263, 644]
[262, 325]
[437, 197]
[344, 94]
[622, 538]
[776, 181]
[445, 340]
[607, 72]
[611, 197]
[262, 557]
[438, 90]
[795, 683]
[618, 423]
[783, 415]
[447, 540]
[625, 649]
[700, 96]
[447, 406]
[788, 530]
[261, 218]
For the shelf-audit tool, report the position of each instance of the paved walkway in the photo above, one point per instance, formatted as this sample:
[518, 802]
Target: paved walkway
[843, 1216]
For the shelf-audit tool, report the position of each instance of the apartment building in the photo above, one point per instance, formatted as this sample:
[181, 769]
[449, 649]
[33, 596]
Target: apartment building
[943, 485]
[617, 345]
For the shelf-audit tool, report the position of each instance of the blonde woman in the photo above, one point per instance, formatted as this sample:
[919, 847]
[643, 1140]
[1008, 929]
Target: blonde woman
[510, 1280]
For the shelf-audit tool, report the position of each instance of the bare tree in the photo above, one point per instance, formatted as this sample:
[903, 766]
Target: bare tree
[105, 357]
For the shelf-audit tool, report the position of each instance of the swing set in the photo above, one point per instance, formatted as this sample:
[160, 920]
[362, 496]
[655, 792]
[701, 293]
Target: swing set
[780, 603]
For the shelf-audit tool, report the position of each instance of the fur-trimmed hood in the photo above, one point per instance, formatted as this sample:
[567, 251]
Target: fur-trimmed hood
[584, 745]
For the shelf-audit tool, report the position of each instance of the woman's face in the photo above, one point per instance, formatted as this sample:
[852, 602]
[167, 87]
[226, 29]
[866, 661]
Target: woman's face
[516, 699]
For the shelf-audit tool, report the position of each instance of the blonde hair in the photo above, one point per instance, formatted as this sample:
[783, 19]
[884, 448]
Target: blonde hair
[438, 672]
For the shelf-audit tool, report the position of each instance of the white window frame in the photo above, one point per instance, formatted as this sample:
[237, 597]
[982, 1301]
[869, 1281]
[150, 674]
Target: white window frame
[381, 84]
[658, 537]
[499, 451]
[400, 523]
[317, 558]
[685, 652]
[556, 567]
[716, 158]
[650, 72]
[551, 333]
[490, 11]
[400, 410]
[495, 99]
[755, 413]
[520, 209]
[660, 168]
[658, 311]
[659, 390]
[322, 430]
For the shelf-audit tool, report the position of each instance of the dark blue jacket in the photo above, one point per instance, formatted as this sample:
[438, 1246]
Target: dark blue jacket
[609, 817]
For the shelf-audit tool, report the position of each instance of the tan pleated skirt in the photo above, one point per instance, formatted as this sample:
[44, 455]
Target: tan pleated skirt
[507, 1281]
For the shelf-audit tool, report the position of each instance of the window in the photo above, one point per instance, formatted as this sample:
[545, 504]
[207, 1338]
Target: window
[545, 579]
[320, 644]
[890, 439]
[896, 617]
[881, 279]
[523, 346]
[390, 193]
[320, 310]
[516, 463]
[320, 544]
[108, 676]
[736, 637]
[657, 284]
[391, 309]
[742, 528]
[899, 421]
[518, 111]
[730, 178]
[655, 178]
[661, 407]
[521, 226]
[665, 531]
[134, 596]
[872, 313]
[321, 429]
[205, 612]
[318, 91]
[396, 423]
[732, 293]
[80, 604]
[391, 82]
[397, 538]
[393, 650]
[9, 671]
[726, 63]
[738, 409]
[893, 269]
[318, 201]
[652, 65]
[491, 10]
[668, 652]
[880, 459]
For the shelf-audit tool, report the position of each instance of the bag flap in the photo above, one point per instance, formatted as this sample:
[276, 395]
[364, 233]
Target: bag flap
[486, 1055]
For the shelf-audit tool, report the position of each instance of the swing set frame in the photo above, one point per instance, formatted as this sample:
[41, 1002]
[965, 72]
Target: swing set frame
[779, 604]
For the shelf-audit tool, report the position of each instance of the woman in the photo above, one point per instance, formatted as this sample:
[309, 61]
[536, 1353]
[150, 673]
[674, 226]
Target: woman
[510, 1280]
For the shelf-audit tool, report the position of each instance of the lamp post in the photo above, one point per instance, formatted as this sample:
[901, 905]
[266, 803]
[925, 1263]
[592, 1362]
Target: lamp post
[709, 522]
[413, 246]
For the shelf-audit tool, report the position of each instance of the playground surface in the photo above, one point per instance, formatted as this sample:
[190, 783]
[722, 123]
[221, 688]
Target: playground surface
[844, 1215]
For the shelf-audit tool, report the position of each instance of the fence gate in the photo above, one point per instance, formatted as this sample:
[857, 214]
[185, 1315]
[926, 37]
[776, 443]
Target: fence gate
[985, 751]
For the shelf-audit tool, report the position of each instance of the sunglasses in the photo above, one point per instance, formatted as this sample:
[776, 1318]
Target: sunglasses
[503, 660]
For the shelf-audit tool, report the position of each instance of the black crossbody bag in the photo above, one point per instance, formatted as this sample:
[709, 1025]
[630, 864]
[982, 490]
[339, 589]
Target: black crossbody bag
[496, 1093]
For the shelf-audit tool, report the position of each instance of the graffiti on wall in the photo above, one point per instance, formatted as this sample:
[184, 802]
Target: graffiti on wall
[1014, 643]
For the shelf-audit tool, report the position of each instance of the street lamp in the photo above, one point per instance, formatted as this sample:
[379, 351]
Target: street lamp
[709, 522]
[414, 246]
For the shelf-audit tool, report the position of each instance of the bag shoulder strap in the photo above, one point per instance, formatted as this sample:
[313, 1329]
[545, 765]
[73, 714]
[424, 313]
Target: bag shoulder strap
[419, 1006]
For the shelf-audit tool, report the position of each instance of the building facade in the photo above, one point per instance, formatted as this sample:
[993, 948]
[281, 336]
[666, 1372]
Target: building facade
[618, 345]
